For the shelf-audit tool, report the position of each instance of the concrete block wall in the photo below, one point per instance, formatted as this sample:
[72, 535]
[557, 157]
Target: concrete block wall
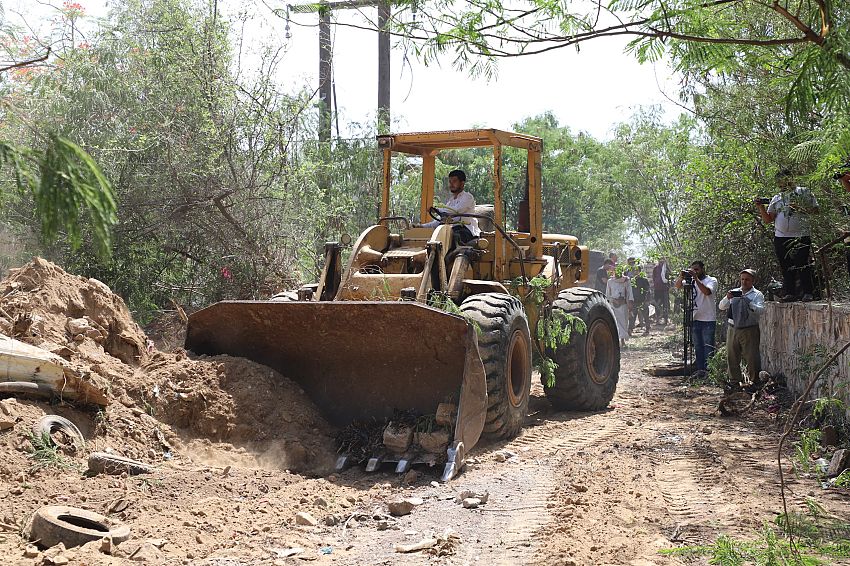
[789, 334]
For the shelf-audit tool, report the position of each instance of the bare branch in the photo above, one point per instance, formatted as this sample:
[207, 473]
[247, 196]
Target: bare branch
[27, 63]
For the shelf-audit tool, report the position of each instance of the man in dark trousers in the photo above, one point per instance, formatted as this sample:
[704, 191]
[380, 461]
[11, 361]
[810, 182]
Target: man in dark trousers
[845, 182]
[789, 212]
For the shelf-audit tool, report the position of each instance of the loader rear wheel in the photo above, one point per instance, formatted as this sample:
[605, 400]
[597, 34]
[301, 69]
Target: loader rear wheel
[504, 343]
[589, 366]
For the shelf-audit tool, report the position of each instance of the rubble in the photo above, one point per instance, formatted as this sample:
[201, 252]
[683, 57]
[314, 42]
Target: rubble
[306, 519]
[840, 461]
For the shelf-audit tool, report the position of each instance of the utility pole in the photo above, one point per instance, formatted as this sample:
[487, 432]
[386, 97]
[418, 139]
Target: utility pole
[324, 9]
[383, 67]
[325, 76]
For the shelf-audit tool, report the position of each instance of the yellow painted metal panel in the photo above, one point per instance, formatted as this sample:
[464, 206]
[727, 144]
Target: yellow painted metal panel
[535, 210]
[427, 186]
[499, 243]
[387, 178]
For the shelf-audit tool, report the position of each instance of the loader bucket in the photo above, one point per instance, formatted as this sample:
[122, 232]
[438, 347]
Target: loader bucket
[356, 359]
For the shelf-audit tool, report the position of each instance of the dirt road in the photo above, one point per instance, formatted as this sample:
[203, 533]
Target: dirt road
[658, 469]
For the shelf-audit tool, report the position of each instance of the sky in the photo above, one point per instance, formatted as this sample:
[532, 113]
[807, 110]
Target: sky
[590, 90]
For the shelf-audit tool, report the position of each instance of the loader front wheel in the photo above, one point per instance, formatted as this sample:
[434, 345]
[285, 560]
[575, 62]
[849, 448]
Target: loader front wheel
[589, 365]
[504, 343]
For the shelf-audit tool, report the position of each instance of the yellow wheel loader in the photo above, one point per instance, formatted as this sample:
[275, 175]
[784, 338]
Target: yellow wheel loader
[418, 323]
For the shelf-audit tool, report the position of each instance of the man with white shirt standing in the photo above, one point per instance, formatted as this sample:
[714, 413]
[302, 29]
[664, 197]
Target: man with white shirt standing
[704, 318]
[789, 212]
[465, 228]
[745, 305]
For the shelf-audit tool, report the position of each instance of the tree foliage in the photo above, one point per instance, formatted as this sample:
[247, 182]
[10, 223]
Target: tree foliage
[64, 180]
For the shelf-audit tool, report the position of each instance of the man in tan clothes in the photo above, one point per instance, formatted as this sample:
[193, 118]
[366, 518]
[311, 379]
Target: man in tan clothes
[745, 305]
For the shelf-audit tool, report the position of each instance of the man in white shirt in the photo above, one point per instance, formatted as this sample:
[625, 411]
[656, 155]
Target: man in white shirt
[465, 228]
[745, 305]
[704, 313]
[789, 212]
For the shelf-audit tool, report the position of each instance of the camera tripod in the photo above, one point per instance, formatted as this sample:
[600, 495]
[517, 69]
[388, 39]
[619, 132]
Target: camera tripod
[689, 295]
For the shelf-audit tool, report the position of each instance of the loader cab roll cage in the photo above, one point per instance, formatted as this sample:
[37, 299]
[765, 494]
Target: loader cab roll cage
[429, 145]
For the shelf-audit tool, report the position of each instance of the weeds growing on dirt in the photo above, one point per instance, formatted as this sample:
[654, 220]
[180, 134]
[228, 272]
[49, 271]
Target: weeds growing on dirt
[806, 448]
[768, 550]
[820, 538]
[45, 453]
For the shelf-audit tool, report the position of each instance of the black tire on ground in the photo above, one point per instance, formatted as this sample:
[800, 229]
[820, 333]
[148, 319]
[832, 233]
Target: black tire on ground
[589, 366]
[505, 347]
[74, 527]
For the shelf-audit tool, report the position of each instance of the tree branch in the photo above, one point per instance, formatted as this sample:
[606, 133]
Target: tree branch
[27, 63]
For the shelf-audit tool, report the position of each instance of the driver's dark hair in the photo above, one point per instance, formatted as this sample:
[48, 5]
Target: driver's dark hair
[459, 174]
[699, 263]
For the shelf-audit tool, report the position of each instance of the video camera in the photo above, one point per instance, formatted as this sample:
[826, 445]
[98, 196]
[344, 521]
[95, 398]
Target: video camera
[687, 276]
[763, 200]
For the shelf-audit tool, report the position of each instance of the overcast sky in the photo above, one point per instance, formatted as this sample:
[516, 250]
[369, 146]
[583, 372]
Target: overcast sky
[588, 90]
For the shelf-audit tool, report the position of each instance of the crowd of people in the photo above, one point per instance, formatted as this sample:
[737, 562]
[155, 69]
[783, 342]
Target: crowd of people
[631, 292]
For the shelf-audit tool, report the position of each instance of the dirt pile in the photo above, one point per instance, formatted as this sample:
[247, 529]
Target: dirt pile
[43, 305]
[223, 409]
[234, 400]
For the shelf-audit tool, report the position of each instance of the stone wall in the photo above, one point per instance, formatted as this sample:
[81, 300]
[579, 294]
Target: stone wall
[790, 335]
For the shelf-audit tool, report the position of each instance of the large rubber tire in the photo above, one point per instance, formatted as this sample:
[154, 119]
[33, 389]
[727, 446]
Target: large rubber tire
[74, 527]
[589, 365]
[504, 343]
[48, 424]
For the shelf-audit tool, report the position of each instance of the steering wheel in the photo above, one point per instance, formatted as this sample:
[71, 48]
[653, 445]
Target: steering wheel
[437, 214]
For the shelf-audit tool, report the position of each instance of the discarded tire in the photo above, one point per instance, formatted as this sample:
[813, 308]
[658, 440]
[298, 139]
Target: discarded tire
[589, 365]
[104, 463]
[505, 347]
[73, 527]
[48, 424]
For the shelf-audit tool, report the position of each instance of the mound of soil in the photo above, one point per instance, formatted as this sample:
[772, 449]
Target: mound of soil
[235, 400]
[166, 402]
[40, 299]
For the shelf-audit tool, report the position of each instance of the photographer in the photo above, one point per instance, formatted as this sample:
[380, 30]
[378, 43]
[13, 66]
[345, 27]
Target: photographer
[789, 212]
[745, 305]
[703, 286]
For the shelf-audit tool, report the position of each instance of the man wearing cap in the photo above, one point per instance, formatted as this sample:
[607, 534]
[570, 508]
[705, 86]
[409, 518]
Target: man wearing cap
[745, 305]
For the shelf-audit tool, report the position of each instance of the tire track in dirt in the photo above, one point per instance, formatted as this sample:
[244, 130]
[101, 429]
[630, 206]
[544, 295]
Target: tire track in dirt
[554, 441]
[698, 489]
